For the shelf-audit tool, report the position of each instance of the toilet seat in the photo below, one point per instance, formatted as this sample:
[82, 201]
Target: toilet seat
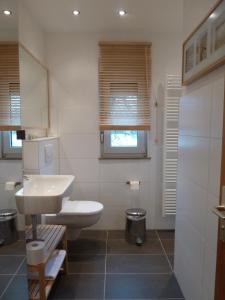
[76, 207]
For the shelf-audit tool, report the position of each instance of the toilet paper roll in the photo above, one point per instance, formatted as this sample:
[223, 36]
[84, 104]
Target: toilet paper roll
[10, 185]
[35, 252]
[135, 185]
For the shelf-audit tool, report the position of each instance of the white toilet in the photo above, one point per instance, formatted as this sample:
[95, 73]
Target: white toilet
[76, 215]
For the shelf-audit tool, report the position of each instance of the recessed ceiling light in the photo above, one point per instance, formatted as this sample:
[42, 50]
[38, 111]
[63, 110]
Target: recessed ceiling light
[7, 12]
[213, 16]
[122, 12]
[76, 12]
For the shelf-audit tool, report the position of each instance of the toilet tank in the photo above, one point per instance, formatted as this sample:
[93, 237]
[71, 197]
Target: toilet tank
[41, 156]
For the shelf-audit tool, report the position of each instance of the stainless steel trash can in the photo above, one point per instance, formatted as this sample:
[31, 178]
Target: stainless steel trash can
[136, 225]
[8, 228]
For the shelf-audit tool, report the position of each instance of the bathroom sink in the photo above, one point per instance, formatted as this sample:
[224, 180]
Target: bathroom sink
[43, 194]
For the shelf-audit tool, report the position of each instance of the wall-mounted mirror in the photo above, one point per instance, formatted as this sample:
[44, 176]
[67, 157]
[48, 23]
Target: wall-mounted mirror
[23, 85]
[33, 91]
[10, 147]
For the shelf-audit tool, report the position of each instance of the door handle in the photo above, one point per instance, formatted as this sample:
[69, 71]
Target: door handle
[219, 211]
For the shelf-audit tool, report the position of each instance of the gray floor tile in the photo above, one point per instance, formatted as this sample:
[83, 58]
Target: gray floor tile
[79, 286]
[137, 264]
[168, 245]
[17, 289]
[116, 234]
[142, 287]
[166, 234]
[93, 234]
[86, 263]
[87, 246]
[4, 280]
[120, 246]
[21, 235]
[10, 264]
[18, 248]
[23, 269]
[120, 234]
[151, 234]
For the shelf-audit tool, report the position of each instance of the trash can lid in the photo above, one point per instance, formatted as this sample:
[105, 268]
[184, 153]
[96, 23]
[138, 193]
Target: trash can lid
[136, 212]
[7, 212]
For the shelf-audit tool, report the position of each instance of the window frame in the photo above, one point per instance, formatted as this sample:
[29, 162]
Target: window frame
[141, 151]
[9, 152]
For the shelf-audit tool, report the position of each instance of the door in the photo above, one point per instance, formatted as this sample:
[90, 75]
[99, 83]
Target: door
[220, 212]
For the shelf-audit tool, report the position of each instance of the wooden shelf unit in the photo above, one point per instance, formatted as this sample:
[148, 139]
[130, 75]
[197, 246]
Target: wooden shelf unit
[54, 237]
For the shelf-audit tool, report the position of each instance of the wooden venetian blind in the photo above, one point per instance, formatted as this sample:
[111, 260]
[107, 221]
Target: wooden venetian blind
[9, 86]
[124, 85]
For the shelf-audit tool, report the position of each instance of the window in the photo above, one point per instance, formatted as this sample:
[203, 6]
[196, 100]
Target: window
[124, 89]
[11, 146]
[123, 144]
[9, 86]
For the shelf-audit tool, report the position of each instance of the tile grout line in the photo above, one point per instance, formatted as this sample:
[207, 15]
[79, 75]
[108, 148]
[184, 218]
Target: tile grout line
[106, 252]
[13, 255]
[11, 279]
[117, 273]
[118, 254]
[164, 252]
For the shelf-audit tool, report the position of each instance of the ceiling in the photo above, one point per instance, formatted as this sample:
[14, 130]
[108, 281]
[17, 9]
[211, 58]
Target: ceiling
[101, 15]
[8, 23]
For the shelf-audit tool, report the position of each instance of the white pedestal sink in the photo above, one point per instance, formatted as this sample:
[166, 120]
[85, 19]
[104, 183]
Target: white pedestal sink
[43, 194]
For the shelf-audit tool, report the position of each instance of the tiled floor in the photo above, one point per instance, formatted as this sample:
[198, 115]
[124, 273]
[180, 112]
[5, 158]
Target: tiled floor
[102, 265]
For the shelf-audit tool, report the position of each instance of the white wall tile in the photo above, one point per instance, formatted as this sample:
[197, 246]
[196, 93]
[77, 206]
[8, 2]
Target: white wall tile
[124, 170]
[217, 108]
[85, 191]
[187, 279]
[84, 170]
[198, 186]
[194, 159]
[195, 109]
[215, 166]
[119, 196]
[7, 199]
[79, 119]
[190, 239]
[209, 271]
[211, 221]
[113, 217]
[193, 204]
[10, 170]
[79, 146]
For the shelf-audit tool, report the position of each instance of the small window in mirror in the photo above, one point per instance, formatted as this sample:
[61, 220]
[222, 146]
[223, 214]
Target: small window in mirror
[14, 142]
[10, 145]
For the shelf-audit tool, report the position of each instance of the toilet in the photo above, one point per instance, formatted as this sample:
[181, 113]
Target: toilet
[76, 215]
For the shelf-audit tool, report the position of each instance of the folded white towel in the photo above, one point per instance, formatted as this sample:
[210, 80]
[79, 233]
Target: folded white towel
[53, 265]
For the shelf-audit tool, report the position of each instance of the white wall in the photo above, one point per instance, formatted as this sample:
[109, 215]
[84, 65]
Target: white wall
[73, 63]
[201, 121]
[31, 34]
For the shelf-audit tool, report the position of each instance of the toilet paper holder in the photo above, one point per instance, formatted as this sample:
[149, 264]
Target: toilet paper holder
[130, 181]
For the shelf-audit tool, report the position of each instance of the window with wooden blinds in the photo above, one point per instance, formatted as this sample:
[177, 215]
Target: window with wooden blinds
[9, 86]
[124, 86]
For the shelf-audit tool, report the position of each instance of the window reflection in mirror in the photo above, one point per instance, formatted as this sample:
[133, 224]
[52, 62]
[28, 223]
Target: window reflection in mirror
[11, 147]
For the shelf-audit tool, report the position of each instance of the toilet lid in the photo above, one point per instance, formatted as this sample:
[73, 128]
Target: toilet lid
[74, 207]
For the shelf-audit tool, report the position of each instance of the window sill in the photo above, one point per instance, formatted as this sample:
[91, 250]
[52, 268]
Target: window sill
[126, 158]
